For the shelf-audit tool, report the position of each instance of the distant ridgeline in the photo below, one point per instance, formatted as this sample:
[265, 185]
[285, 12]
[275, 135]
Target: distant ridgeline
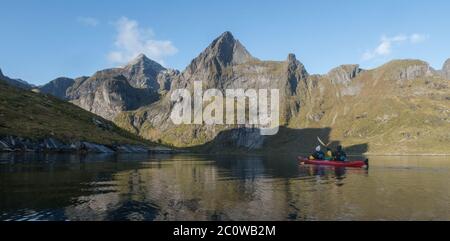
[401, 107]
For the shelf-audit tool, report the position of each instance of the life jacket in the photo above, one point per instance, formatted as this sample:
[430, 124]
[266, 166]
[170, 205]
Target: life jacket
[340, 156]
[318, 155]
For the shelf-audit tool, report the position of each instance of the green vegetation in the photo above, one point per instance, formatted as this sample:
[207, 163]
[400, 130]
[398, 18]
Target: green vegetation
[399, 109]
[32, 115]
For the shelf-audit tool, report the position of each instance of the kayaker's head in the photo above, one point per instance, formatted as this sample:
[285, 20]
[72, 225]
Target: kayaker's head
[339, 148]
[318, 148]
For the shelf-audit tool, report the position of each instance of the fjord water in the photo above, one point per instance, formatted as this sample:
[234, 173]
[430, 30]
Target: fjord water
[201, 187]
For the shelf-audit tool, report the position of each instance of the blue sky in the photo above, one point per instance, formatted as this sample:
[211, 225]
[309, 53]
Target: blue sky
[45, 39]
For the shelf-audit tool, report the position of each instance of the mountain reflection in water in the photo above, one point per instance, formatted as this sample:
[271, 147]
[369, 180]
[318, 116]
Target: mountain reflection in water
[201, 187]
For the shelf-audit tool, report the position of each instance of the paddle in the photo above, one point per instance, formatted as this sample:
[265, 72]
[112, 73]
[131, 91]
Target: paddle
[322, 143]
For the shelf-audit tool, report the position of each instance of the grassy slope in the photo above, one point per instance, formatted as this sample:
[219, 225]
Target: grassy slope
[32, 115]
[391, 116]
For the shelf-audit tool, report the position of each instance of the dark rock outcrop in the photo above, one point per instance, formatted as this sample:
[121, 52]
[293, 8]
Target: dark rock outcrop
[15, 82]
[17, 144]
[446, 69]
[57, 87]
[296, 72]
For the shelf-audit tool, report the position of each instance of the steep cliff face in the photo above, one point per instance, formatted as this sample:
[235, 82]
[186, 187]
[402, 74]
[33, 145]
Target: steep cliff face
[111, 91]
[108, 93]
[344, 73]
[57, 87]
[214, 65]
[446, 69]
[142, 73]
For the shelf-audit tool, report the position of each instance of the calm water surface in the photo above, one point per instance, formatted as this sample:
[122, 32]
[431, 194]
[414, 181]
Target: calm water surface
[196, 187]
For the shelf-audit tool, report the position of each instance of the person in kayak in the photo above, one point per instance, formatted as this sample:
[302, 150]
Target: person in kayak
[340, 155]
[317, 155]
[329, 155]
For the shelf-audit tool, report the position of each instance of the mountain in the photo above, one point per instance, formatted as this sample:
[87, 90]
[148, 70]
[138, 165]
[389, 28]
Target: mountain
[36, 121]
[224, 64]
[15, 82]
[108, 92]
[400, 107]
[143, 72]
[57, 87]
[111, 91]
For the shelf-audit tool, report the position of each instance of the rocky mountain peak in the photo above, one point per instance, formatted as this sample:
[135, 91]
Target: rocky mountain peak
[144, 61]
[223, 51]
[296, 73]
[229, 50]
[142, 72]
[292, 58]
[446, 69]
[1, 73]
[343, 74]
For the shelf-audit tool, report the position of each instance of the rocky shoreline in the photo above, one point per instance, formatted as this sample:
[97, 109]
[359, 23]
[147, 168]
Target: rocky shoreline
[52, 145]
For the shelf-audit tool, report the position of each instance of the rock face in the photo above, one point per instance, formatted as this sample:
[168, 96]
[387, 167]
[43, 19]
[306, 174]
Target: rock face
[446, 69]
[215, 63]
[57, 87]
[108, 93]
[15, 82]
[142, 73]
[223, 51]
[111, 91]
[18, 144]
[344, 73]
[401, 70]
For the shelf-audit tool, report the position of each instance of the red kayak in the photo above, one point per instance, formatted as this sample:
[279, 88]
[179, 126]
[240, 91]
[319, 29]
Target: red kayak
[334, 163]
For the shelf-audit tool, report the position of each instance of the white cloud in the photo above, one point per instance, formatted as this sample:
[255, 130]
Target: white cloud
[387, 43]
[418, 38]
[131, 40]
[88, 21]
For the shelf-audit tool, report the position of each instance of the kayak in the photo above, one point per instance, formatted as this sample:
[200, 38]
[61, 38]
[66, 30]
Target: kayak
[334, 163]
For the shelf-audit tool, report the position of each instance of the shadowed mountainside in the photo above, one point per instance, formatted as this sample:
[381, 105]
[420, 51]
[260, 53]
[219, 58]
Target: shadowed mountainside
[38, 118]
[286, 141]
